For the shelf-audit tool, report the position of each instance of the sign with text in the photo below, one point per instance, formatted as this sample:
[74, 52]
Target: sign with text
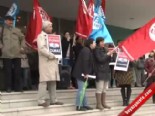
[122, 62]
[54, 43]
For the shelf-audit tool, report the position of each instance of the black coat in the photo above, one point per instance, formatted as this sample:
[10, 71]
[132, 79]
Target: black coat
[101, 63]
[83, 64]
[65, 44]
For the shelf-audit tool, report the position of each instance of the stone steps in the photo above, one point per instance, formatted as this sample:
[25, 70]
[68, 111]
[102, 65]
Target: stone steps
[25, 104]
[64, 93]
[112, 112]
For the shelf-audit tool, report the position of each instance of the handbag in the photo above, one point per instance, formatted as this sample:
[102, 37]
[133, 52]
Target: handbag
[1, 39]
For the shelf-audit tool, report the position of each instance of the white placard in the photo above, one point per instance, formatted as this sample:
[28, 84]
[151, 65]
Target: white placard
[54, 45]
[122, 62]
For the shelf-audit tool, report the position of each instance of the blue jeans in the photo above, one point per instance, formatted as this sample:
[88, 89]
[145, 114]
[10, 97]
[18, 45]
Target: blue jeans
[79, 92]
[66, 61]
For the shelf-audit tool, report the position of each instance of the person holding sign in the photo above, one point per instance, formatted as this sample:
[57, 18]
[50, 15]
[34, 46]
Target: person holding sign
[124, 80]
[48, 68]
[102, 59]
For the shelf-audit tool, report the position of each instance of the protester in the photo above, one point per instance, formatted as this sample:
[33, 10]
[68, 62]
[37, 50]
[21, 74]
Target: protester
[124, 80]
[76, 50]
[48, 68]
[26, 76]
[140, 72]
[67, 52]
[12, 45]
[84, 65]
[102, 59]
[150, 69]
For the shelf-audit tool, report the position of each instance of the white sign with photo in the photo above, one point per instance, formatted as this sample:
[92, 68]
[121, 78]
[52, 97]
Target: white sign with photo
[122, 62]
[54, 43]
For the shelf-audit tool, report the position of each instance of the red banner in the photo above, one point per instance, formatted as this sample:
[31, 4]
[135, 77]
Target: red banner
[35, 24]
[139, 101]
[85, 19]
[140, 42]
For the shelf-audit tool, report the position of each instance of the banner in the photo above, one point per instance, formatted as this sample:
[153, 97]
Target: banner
[84, 19]
[99, 27]
[13, 11]
[140, 42]
[54, 43]
[122, 62]
[35, 24]
[139, 101]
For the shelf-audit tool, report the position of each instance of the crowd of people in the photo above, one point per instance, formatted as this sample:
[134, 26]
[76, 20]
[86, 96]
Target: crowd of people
[25, 69]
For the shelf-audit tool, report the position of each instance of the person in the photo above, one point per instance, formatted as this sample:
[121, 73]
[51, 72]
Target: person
[48, 68]
[102, 59]
[125, 80]
[83, 65]
[76, 49]
[67, 52]
[140, 72]
[150, 69]
[12, 46]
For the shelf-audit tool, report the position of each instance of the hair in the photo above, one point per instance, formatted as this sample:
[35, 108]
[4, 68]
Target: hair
[88, 42]
[99, 39]
[45, 24]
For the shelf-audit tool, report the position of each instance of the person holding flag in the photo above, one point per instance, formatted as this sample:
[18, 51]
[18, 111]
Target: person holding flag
[150, 69]
[102, 59]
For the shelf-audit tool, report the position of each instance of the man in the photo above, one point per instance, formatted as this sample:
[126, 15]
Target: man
[48, 68]
[12, 45]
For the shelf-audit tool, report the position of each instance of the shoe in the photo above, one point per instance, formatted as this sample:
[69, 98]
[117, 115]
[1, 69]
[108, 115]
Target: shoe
[80, 109]
[88, 107]
[56, 103]
[45, 104]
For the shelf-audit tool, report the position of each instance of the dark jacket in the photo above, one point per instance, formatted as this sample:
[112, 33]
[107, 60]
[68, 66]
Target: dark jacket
[84, 64]
[77, 48]
[101, 63]
[65, 45]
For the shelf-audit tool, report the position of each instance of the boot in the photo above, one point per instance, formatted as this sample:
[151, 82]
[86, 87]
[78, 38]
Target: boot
[98, 101]
[153, 99]
[123, 96]
[128, 95]
[103, 101]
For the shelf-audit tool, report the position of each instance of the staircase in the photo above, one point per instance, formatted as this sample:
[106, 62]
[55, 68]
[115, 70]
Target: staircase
[25, 104]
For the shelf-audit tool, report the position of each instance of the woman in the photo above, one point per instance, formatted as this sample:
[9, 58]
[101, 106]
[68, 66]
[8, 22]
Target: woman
[102, 59]
[124, 80]
[83, 65]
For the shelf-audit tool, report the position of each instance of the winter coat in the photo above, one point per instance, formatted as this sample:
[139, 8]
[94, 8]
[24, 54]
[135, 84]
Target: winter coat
[48, 63]
[101, 63]
[83, 64]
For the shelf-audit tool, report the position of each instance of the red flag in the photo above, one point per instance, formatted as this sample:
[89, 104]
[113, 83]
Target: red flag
[141, 42]
[103, 5]
[35, 24]
[85, 19]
